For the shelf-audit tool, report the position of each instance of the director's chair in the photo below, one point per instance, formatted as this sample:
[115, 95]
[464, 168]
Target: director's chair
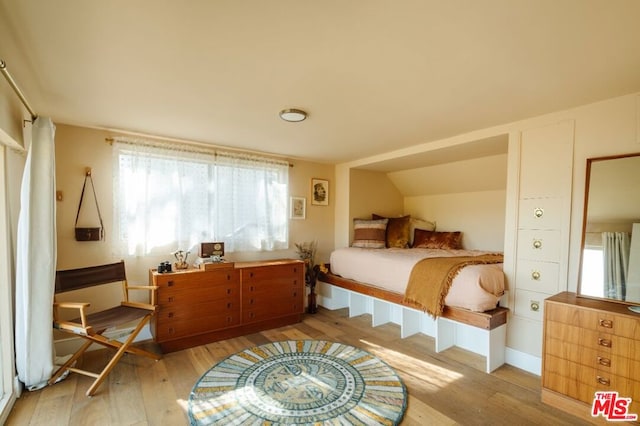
[92, 326]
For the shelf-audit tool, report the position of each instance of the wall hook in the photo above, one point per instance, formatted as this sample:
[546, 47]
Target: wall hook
[87, 171]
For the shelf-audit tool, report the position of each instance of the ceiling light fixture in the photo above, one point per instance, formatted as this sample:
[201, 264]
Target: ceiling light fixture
[293, 115]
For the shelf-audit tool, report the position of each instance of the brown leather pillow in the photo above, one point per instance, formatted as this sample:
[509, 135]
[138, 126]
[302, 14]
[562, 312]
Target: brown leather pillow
[397, 230]
[437, 240]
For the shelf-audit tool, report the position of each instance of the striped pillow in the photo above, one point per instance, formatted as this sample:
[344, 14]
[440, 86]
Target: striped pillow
[369, 233]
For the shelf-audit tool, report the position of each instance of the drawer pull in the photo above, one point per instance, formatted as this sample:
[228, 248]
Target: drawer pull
[535, 306]
[605, 323]
[535, 275]
[170, 299]
[170, 283]
[170, 315]
[228, 277]
[604, 361]
[537, 244]
[228, 291]
[604, 342]
[229, 305]
[538, 212]
[603, 381]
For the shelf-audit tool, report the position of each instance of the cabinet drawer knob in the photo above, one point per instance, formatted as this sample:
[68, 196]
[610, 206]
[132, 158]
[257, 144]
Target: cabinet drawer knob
[605, 323]
[538, 212]
[535, 275]
[604, 342]
[537, 244]
[603, 381]
[228, 277]
[535, 306]
[170, 299]
[229, 305]
[228, 291]
[170, 315]
[170, 283]
[604, 361]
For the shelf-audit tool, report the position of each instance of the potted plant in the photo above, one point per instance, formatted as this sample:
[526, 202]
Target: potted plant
[307, 253]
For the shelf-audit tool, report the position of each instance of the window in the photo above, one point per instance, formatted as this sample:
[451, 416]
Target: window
[168, 198]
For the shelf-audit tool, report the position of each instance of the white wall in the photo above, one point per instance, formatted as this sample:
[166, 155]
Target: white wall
[479, 215]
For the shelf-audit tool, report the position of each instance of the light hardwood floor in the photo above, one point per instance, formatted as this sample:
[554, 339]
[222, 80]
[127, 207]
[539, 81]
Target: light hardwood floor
[444, 389]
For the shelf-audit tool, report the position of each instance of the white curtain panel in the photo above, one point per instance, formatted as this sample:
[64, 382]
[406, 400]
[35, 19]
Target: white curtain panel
[36, 259]
[616, 247]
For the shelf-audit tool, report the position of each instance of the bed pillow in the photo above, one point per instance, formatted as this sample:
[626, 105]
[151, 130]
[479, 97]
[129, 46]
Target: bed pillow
[398, 229]
[369, 233]
[437, 240]
[416, 223]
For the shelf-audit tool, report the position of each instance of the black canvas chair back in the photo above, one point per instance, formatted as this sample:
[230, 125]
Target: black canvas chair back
[74, 279]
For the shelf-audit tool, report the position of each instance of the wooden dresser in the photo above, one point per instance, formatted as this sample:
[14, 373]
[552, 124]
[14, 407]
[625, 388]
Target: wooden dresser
[589, 345]
[227, 300]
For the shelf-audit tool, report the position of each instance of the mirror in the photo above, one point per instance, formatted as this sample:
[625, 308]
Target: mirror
[610, 261]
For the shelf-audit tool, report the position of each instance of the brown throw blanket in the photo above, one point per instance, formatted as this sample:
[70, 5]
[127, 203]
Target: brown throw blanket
[431, 279]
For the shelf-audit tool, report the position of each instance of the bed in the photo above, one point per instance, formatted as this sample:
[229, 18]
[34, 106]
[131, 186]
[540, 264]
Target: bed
[379, 273]
[476, 287]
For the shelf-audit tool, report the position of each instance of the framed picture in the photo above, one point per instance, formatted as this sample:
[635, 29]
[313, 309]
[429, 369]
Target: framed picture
[319, 192]
[298, 207]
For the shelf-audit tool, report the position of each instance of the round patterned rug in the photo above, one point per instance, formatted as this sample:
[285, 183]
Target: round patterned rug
[299, 382]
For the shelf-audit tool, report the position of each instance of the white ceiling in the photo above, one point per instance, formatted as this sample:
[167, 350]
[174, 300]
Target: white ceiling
[374, 75]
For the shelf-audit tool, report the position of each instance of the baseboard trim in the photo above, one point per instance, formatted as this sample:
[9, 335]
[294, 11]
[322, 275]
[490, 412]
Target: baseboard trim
[523, 361]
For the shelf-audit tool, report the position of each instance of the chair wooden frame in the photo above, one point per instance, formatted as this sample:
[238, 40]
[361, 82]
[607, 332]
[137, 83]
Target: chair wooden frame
[92, 326]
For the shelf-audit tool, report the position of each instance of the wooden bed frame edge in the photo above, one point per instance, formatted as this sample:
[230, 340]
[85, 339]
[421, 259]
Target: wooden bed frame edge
[488, 320]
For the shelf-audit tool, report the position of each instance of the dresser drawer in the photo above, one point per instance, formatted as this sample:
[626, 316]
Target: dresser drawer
[273, 273]
[602, 359]
[196, 280]
[530, 304]
[274, 308]
[608, 344]
[600, 321]
[179, 312]
[540, 213]
[580, 377]
[541, 245]
[187, 295]
[538, 276]
[178, 328]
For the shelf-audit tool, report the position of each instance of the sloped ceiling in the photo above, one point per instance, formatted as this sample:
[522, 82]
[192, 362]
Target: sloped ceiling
[374, 75]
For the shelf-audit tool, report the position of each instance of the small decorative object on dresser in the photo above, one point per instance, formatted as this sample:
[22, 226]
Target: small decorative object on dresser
[181, 259]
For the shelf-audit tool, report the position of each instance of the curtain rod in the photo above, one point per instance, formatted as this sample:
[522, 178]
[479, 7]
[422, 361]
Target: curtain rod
[14, 86]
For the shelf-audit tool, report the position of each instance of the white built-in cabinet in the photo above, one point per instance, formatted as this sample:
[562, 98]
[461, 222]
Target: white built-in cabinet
[544, 214]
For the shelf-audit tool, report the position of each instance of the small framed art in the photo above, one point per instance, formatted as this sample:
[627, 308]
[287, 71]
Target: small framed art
[319, 192]
[298, 208]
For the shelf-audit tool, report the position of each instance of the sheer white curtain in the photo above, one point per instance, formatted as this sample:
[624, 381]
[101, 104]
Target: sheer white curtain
[36, 259]
[172, 197]
[616, 247]
[251, 202]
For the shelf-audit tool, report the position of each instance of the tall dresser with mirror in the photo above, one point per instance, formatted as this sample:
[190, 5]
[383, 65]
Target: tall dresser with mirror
[592, 338]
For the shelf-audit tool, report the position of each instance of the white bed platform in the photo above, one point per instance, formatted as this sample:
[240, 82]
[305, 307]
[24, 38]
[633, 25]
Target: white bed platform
[481, 333]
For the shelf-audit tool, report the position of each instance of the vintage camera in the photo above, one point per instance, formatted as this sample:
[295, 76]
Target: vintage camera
[164, 267]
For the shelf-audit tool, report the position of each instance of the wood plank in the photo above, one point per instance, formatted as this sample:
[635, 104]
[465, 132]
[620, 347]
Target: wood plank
[445, 388]
[486, 320]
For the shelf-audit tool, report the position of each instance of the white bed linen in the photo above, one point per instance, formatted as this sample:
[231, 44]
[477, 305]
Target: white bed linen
[475, 287]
